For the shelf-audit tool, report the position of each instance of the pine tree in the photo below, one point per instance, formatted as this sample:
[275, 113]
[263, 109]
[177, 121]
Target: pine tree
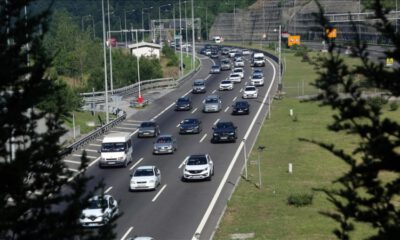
[39, 199]
[368, 193]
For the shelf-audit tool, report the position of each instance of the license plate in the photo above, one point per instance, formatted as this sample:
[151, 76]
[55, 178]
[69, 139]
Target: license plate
[224, 137]
[110, 163]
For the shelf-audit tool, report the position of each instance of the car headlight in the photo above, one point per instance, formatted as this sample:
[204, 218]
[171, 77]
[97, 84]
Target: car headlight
[133, 182]
[196, 127]
[120, 158]
[83, 216]
[185, 170]
[102, 159]
[152, 181]
[215, 134]
[231, 133]
[205, 169]
[169, 147]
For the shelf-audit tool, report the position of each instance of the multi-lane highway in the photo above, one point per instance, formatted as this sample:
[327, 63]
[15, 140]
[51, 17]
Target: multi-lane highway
[182, 210]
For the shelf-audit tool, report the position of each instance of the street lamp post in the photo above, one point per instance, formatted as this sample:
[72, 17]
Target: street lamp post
[143, 20]
[279, 58]
[260, 149]
[110, 48]
[186, 33]
[173, 17]
[159, 17]
[105, 62]
[193, 40]
[180, 37]
[126, 38]
[245, 158]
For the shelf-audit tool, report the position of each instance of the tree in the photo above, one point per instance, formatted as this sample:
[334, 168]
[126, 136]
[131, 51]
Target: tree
[368, 193]
[37, 201]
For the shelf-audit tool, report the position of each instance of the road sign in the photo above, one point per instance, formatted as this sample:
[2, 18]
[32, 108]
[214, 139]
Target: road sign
[294, 40]
[331, 32]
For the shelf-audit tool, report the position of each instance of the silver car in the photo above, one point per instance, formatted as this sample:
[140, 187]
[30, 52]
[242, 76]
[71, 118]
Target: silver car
[199, 86]
[212, 103]
[165, 144]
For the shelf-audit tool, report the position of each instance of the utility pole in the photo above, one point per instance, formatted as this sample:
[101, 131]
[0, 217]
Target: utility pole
[186, 32]
[280, 59]
[193, 40]
[105, 62]
[110, 48]
[180, 37]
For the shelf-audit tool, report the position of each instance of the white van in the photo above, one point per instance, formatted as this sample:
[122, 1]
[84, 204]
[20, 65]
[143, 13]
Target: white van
[116, 150]
[258, 60]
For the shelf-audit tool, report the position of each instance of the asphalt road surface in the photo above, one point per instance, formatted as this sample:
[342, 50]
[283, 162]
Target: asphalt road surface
[183, 210]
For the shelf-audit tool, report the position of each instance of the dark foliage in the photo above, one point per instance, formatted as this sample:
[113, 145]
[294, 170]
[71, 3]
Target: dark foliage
[37, 201]
[368, 192]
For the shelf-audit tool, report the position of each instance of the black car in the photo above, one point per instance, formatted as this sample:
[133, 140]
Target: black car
[190, 125]
[241, 107]
[148, 129]
[224, 132]
[183, 103]
[202, 51]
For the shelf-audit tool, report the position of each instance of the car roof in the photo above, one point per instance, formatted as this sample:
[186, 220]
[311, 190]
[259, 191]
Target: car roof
[145, 167]
[199, 80]
[241, 102]
[165, 135]
[212, 96]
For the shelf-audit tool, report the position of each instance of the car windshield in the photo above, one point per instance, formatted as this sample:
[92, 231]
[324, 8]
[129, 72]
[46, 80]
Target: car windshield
[143, 172]
[97, 203]
[197, 160]
[183, 100]
[258, 58]
[211, 100]
[215, 67]
[226, 82]
[257, 76]
[113, 147]
[241, 104]
[234, 75]
[224, 125]
[237, 70]
[225, 62]
[147, 124]
[164, 140]
[250, 89]
[198, 83]
[189, 121]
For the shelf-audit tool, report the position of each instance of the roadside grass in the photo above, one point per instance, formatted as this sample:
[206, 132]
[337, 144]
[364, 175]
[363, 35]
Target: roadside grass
[83, 117]
[187, 62]
[264, 211]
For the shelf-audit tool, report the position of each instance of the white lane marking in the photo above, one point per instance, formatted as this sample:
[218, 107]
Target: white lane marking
[99, 139]
[202, 139]
[226, 109]
[163, 111]
[91, 157]
[95, 144]
[73, 170]
[134, 165]
[131, 124]
[90, 150]
[213, 91]
[183, 162]
[159, 192]
[178, 125]
[194, 110]
[216, 121]
[127, 128]
[133, 121]
[127, 233]
[234, 99]
[71, 161]
[116, 131]
[77, 155]
[95, 161]
[108, 189]
[235, 157]
[133, 133]
[241, 90]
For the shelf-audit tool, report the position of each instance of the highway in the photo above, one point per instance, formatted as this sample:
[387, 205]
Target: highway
[178, 210]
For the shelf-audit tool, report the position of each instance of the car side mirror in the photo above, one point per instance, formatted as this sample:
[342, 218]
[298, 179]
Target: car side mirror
[203, 101]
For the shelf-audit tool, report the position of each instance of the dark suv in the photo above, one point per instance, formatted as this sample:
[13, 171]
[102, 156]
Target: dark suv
[240, 107]
[224, 132]
[190, 125]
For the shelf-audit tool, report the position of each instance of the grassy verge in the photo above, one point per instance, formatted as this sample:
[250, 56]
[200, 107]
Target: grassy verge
[83, 117]
[265, 211]
[187, 62]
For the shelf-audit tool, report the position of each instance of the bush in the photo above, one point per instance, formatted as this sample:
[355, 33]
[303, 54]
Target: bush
[393, 106]
[300, 200]
[377, 102]
[300, 50]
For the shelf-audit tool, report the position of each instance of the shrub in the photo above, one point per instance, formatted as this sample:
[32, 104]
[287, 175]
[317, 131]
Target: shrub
[377, 102]
[393, 106]
[300, 200]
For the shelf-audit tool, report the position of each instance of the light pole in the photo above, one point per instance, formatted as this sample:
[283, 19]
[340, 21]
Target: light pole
[206, 21]
[279, 59]
[143, 20]
[193, 40]
[245, 158]
[110, 48]
[186, 33]
[159, 17]
[173, 17]
[180, 37]
[105, 62]
[260, 149]
[126, 38]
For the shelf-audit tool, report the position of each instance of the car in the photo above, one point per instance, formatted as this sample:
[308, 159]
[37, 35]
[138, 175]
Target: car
[225, 85]
[215, 69]
[207, 52]
[99, 211]
[258, 60]
[232, 52]
[145, 178]
[224, 132]
[212, 103]
[183, 103]
[235, 78]
[207, 46]
[202, 51]
[148, 129]
[239, 62]
[217, 39]
[225, 64]
[116, 150]
[225, 51]
[214, 53]
[190, 125]
[165, 144]
[246, 52]
[199, 86]
[257, 80]
[241, 108]
[250, 92]
[258, 71]
[198, 167]
[239, 71]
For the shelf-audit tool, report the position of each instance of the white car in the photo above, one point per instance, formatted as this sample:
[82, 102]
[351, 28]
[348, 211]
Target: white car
[100, 210]
[246, 52]
[250, 92]
[198, 167]
[225, 85]
[235, 78]
[232, 53]
[257, 80]
[239, 71]
[145, 178]
[239, 63]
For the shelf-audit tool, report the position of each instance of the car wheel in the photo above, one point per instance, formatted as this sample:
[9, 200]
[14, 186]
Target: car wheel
[183, 179]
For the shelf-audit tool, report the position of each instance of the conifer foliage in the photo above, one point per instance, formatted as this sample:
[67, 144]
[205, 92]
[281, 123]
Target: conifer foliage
[39, 199]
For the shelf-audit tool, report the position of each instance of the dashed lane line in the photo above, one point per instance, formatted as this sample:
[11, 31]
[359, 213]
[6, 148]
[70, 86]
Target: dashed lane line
[216, 121]
[234, 99]
[108, 189]
[226, 109]
[194, 110]
[71, 161]
[183, 162]
[134, 165]
[159, 192]
[204, 137]
[127, 233]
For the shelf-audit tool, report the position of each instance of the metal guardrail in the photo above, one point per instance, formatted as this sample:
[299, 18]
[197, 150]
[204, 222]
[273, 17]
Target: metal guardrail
[92, 135]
